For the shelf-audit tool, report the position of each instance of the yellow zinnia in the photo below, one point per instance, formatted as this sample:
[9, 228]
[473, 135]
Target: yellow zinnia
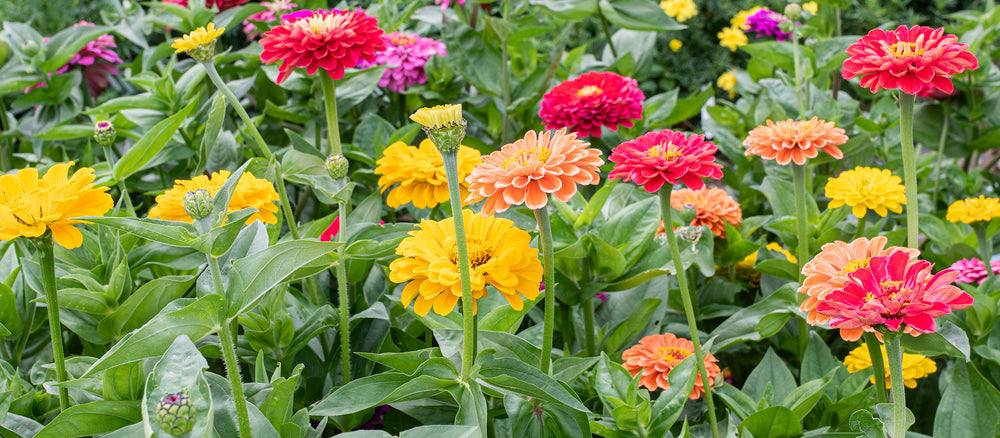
[200, 43]
[676, 45]
[30, 206]
[739, 20]
[812, 7]
[974, 210]
[499, 256]
[732, 38]
[250, 192]
[915, 366]
[439, 116]
[727, 81]
[865, 188]
[681, 10]
[744, 268]
[419, 171]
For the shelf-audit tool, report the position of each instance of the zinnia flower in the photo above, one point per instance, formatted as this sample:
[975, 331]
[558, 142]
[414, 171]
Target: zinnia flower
[829, 271]
[222, 4]
[865, 188]
[406, 55]
[665, 157]
[812, 7]
[915, 366]
[792, 140]
[970, 210]
[676, 45]
[200, 43]
[713, 206]
[30, 206]
[499, 256]
[727, 82]
[331, 231]
[526, 171]
[88, 60]
[767, 23]
[250, 192]
[419, 173]
[331, 40]
[739, 21]
[655, 355]
[894, 293]
[732, 38]
[590, 101]
[907, 59]
[444, 3]
[974, 270]
[681, 10]
[274, 9]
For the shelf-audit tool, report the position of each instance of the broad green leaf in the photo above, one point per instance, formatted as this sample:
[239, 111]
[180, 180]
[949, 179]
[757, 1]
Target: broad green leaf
[9, 318]
[277, 407]
[863, 421]
[566, 369]
[404, 361]
[773, 422]
[949, 339]
[568, 9]
[253, 276]
[802, 399]
[688, 107]
[887, 414]
[595, 204]
[179, 370]
[63, 45]
[144, 304]
[477, 61]
[216, 117]
[16, 426]
[743, 325]
[440, 430]
[472, 408]
[771, 370]
[517, 376]
[123, 382]
[432, 377]
[166, 232]
[92, 418]
[969, 406]
[505, 318]
[150, 144]
[637, 15]
[627, 331]
[670, 403]
[741, 404]
[67, 132]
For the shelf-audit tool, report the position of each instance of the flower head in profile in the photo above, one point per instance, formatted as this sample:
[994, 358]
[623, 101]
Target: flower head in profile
[437, 117]
[681, 10]
[792, 140]
[405, 55]
[250, 192]
[866, 188]
[31, 206]
[972, 210]
[974, 270]
[274, 9]
[829, 271]
[595, 99]
[767, 23]
[667, 157]
[907, 59]
[526, 171]
[416, 174]
[332, 40]
[499, 256]
[200, 43]
[655, 355]
[915, 366]
[96, 61]
[727, 82]
[732, 38]
[713, 207]
[894, 293]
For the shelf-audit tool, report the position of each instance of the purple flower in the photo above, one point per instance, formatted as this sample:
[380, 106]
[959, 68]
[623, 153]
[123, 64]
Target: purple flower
[444, 3]
[603, 296]
[87, 59]
[271, 14]
[405, 55]
[767, 23]
[974, 270]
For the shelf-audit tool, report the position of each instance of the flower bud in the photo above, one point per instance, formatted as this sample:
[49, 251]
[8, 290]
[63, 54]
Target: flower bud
[104, 133]
[198, 203]
[30, 48]
[336, 165]
[175, 414]
[443, 125]
[793, 11]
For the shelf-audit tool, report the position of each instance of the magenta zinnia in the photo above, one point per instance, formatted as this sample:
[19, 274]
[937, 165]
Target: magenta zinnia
[89, 58]
[405, 56]
[666, 157]
[331, 40]
[591, 101]
[974, 270]
[894, 293]
[908, 59]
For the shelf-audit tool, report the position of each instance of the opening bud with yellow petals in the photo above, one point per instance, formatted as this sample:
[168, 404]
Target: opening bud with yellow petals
[200, 43]
[443, 124]
[336, 166]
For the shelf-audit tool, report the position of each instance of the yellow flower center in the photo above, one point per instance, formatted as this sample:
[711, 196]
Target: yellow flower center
[523, 157]
[402, 40]
[480, 250]
[856, 264]
[589, 90]
[904, 48]
[869, 296]
[889, 285]
[671, 354]
[322, 24]
[668, 151]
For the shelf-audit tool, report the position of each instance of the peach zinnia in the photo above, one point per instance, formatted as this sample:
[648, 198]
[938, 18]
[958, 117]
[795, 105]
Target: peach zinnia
[665, 157]
[591, 101]
[713, 206]
[655, 355]
[526, 171]
[829, 271]
[792, 140]
[908, 58]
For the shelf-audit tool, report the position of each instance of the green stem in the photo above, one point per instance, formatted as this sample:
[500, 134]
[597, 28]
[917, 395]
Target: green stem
[548, 264]
[468, 319]
[894, 351]
[940, 154]
[861, 228]
[121, 184]
[607, 33]
[47, 263]
[909, 167]
[505, 80]
[985, 246]
[229, 355]
[878, 367]
[798, 76]
[588, 327]
[668, 224]
[802, 220]
[330, 107]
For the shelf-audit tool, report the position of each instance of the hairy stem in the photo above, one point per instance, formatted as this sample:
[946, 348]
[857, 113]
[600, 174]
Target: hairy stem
[909, 168]
[588, 327]
[802, 220]
[894, 351]
[549, 276]
[878, 367]
[468, 319]
[47, 264]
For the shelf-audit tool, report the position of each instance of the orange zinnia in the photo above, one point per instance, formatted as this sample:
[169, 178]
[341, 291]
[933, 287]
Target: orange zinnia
[829, 271]
[526, 171]
[792, 140]
[713, 207]
[655, 355]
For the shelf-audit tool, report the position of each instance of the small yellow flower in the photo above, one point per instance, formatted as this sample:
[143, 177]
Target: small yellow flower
[200, 43]
[727, 81]
[739, 20]
[744, 268]
[250, 192]
[439, 116]
[681, 10]
[915, 366]
[676, 45]
[974, 210]
[419, 173]
[732, 38]
[865, 188]
[812, 7]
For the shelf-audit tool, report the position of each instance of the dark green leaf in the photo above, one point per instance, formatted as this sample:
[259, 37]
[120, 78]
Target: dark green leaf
[92, 418]
[517, 376]
[150, 144]
[179, 370]
[773, 422]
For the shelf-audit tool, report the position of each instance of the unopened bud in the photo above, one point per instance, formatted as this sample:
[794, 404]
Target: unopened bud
[793, 11]
[336, 165]
[30, 48]
[175, 414]
[104, 133]
[198, 203]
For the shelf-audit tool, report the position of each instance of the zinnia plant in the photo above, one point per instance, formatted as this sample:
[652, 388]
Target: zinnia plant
[416, 173]
[866, 188]
[656, 355]
[585, 104]
[974, 270]
[251, 192]
[713, 207]
[978, 212]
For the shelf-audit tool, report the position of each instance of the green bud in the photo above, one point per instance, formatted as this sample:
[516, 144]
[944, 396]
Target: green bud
[203, 53]
[336, 165]
[104, 133]
[198, 203]
[793, 11]
[175, 414]
[30, 48]
[447, 138]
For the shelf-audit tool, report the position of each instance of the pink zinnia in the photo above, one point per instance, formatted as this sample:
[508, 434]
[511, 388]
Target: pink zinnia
[406, 54]
[894, 292]
[666, 157]
[974, 270]
[271, 14]
[444, 3]
[222, 4]
[592, 100]
[88, 60]
[331, 40]
[908, 59]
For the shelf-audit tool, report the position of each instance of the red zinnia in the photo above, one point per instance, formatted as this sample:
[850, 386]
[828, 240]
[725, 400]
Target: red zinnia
[908, 59]
[590, 101]
[331, 40]
[894, 291]
[665, 156]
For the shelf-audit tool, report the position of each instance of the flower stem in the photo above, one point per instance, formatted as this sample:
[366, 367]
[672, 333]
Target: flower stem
[229, 355]
[668, 224]
[798, 80]
[121, 184]
[468, 319]
[894, 351]
[985, 246]
[505, 79]
[47, 264]
[588, 326]
[940, 154]
[802, 220]
[607, 33]
[548, 264]
[878, 367]
[909, 167]
[861, 228]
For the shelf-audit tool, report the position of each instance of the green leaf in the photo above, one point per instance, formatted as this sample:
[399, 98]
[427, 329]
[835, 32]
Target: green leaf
[123, 382]
[179, 370]
[505, 318]
[671, 401]
[630, 328]
[9, 318]
[150, 144]
[440, 430]
[887, 414]
[367, 392]
[688, 107]
[802, 399]
[777, 53]
[472, 409]
[771, 370]
[638, 15]
[67, 132]
[216, 117]
[92, 418]
[743, 325]
[167, 232]
[63, 45]
[477, 61]
[969, 405]
[277, 407]
[741, 404]
[773, 422]
[568, 9]
[863, 421]
[949, 340]
[517, 376]
[253, 276]
[144, 304]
